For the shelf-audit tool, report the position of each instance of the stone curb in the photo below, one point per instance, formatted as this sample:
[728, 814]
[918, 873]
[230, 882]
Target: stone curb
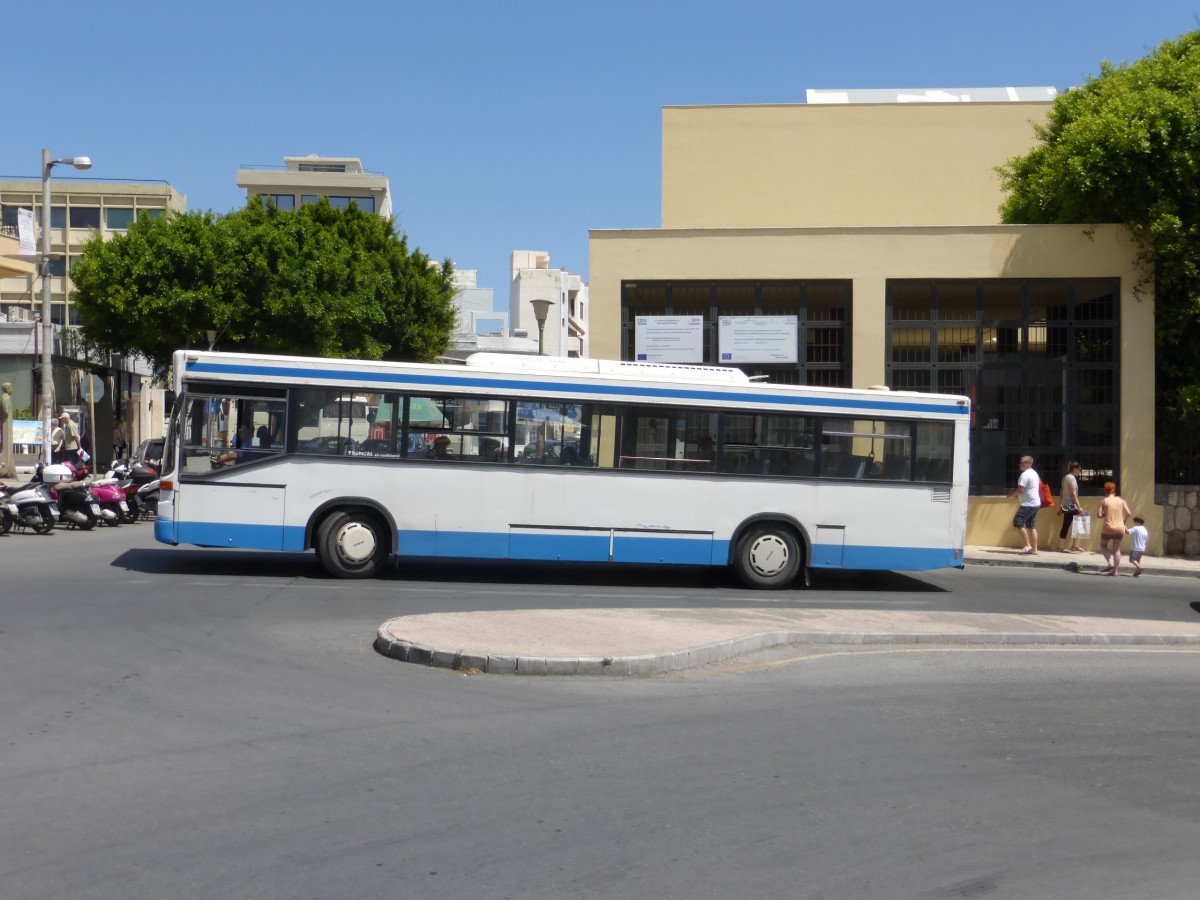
[694, 657]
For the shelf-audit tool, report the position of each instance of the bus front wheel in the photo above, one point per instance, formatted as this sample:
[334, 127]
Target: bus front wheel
[352, 545]
[768, 556]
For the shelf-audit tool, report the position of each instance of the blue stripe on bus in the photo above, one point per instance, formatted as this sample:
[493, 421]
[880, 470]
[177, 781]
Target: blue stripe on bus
[513, 384]
[235, 534]
[895, 559]
[573, 547]
[552, 546]
[628, 548]
[164, 530]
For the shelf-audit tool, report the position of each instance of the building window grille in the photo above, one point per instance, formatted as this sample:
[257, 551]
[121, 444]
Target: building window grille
[1038, 359]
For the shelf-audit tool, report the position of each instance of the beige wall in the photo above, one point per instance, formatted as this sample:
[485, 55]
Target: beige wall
[870, 256]
[840, 164]
[10, 262]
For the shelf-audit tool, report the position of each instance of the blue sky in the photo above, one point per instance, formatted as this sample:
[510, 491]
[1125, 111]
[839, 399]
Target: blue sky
[501, 125]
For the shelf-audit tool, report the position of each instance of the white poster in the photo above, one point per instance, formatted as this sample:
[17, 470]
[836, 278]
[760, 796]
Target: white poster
[25, 232]
[669, 339]
[758, 339]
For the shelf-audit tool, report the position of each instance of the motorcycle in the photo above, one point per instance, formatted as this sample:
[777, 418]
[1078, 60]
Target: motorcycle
[104, 492]
[123, 478]
[143, 476]
[139, 480]
[74, 497]
[36, 507]
[113, 507]
[8, 511]
[148, 499]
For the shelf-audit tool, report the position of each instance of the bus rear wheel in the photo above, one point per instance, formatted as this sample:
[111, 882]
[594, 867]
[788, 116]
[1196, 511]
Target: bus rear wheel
[768, 557]
[352, 545]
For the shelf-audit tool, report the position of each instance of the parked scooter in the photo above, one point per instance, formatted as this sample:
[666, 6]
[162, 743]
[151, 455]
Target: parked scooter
[123, 478]
[111, 498]
[79, 507]
[8, 511]
[144, 474]
[104, 491]
[148, 499]
[37, 509]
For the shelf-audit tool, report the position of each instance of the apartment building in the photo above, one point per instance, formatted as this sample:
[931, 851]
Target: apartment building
[79, 208]
[564, 332]
[305, 179]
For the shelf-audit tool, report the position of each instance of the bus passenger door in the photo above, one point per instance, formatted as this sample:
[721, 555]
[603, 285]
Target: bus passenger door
[829, 547]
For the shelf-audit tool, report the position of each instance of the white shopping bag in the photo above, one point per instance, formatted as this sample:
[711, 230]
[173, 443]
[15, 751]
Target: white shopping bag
[1081, 526]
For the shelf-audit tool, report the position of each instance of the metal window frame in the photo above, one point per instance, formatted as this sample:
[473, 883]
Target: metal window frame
[1030, 370]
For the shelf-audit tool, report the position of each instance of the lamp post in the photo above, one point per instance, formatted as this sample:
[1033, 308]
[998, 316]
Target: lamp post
[541, 309]
[79, 162]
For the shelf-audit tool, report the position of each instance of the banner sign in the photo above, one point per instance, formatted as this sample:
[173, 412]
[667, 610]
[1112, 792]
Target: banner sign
[25, 232]
[669, 339]
[758, 339]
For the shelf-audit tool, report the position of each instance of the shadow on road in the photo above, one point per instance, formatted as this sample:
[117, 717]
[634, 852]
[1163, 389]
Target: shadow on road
[225, 564]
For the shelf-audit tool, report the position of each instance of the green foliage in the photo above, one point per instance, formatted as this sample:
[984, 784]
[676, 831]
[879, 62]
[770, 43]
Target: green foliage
[316, 281]
[1125, 147]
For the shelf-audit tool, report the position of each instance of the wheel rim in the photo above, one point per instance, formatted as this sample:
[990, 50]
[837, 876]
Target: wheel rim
[769, 555]
[355, 543]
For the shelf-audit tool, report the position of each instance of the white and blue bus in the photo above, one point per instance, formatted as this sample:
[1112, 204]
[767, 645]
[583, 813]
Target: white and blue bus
[536, 458]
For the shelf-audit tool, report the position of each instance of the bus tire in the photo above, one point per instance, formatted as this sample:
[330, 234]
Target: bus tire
[768, 556]
[352, 545]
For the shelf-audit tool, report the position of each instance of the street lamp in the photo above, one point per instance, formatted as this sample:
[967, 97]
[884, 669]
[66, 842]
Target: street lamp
[79, 162]
[541, 309]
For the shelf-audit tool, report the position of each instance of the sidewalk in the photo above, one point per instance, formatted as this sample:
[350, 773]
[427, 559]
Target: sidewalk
[1009, 556]
[659, 641]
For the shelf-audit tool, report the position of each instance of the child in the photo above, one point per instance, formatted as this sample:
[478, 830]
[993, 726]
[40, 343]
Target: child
[1140, 536]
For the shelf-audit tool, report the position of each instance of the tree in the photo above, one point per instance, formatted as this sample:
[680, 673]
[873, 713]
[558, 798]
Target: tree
[1125, 147]
[316, 281]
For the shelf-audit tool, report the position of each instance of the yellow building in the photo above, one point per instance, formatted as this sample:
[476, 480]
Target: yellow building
[876, 225]
[79, 208]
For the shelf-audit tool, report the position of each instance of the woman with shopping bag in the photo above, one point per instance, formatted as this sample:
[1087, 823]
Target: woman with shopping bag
[1069, 508]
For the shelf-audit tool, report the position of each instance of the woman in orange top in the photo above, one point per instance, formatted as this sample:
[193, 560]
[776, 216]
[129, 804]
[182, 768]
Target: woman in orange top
[1113, 512]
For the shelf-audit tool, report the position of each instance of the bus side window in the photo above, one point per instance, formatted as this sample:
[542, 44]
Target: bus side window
[896, 468]
[220, 432]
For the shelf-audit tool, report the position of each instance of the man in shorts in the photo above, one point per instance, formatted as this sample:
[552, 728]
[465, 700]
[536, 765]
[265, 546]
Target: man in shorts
[1029, 490]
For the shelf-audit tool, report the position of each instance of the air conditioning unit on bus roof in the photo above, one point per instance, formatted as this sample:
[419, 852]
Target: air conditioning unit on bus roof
[674, 371]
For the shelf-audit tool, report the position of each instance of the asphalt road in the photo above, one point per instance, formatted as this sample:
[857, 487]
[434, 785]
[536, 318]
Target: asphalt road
[191, 724]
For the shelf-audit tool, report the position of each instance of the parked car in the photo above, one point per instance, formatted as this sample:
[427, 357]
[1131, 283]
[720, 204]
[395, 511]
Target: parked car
[149, 451]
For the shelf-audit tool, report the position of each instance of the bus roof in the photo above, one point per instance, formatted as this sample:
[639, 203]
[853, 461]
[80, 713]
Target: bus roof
[560, 379]
[507, 362]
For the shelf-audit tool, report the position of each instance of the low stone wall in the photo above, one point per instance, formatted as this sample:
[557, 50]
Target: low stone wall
[1181, 518]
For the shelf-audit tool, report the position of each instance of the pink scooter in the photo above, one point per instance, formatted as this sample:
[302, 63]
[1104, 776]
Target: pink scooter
[107, 493]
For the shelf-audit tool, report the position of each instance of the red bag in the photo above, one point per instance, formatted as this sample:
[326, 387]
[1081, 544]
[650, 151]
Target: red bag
[1047, 500]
